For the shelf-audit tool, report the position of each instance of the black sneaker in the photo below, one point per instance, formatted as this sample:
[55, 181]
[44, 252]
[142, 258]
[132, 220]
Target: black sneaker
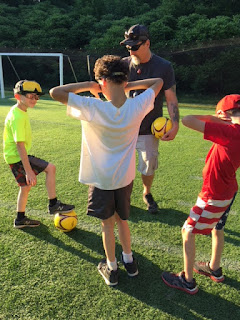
[60, 207]
[132, 268]
[204, 269]
[151, 204]
[109, 276]
[25, 222]
[178, 281]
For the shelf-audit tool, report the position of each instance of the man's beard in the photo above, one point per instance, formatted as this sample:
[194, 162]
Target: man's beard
[136, 61]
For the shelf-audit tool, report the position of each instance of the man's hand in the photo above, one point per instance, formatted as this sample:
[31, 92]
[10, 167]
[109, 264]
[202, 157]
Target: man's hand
[171, 134]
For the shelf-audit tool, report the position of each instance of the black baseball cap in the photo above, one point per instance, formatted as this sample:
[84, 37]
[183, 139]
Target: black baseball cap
[136, 33]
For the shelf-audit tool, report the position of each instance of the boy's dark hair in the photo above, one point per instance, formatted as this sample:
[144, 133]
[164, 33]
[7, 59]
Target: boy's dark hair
[112, 68]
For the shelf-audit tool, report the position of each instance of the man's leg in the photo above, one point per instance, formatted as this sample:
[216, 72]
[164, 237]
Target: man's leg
[147, 148]
[147, 183]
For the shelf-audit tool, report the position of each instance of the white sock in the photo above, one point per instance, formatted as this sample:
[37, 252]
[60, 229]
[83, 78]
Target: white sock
[112, 265]
[127, 257]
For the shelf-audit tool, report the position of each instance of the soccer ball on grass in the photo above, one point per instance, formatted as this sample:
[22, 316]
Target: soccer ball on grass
[65, 221]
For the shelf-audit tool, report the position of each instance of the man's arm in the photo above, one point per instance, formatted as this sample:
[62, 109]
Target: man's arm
[154, 83]
[30, 175]
[60, 93]
[172, 105]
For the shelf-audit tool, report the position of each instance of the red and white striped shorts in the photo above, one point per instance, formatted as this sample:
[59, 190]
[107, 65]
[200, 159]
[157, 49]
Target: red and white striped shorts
[205, 215]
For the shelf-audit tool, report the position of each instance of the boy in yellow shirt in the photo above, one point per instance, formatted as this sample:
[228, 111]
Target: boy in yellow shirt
[17, 141]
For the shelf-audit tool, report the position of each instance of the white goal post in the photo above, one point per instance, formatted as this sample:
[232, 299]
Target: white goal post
[59, 55]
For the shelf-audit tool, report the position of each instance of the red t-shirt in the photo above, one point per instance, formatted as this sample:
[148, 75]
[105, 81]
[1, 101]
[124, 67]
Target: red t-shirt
[222, 161]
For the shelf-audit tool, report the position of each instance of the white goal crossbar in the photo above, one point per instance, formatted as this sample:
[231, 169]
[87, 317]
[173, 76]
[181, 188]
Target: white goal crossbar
[59, 55]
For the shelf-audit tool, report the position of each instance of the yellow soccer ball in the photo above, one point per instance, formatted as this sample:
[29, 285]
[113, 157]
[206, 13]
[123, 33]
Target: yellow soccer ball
[160, 126]
[65, 221]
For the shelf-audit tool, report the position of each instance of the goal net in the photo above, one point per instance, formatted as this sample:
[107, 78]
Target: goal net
[59, 57]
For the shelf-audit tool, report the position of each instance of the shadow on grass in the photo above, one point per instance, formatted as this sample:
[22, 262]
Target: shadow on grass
[148, 286]
[230, 233]
[86, 238]
[167, 216]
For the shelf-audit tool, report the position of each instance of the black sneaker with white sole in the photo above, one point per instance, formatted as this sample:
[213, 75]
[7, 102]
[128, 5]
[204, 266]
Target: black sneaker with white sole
[204, 269]
[60, 207]
[25, 222]
[110, 276]
[152, 206]
[179, 282]
[131, 268]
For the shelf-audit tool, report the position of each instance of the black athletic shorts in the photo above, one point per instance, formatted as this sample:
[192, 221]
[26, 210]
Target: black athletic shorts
[38, 165]
[103, 204]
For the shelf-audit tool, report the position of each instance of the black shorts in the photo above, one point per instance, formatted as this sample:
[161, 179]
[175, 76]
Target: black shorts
[103, 204]
[38, 165]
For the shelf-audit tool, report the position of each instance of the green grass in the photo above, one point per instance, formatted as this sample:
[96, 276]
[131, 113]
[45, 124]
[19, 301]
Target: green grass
[46, 274]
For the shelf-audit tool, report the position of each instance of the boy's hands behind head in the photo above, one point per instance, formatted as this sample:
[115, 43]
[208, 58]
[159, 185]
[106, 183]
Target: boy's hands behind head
[95, 89]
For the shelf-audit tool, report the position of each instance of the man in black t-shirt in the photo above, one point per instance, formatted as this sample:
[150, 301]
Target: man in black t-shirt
[145, 64]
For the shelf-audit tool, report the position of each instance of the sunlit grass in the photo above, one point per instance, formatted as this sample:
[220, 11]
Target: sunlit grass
[46, 274]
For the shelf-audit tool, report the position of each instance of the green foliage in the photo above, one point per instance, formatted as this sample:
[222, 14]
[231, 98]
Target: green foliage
[208, 71]
[95, 27]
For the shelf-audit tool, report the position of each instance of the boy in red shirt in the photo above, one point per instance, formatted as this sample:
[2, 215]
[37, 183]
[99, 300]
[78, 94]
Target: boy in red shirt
[219, 188]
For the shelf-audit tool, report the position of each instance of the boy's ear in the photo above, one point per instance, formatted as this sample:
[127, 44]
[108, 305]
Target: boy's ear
[221, 113]
[17, 96]
[104, 82]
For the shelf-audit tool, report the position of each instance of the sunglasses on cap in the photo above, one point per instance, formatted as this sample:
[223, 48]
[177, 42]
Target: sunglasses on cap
[135, 47]
[31, 86]
[25, 87]
[132, 36]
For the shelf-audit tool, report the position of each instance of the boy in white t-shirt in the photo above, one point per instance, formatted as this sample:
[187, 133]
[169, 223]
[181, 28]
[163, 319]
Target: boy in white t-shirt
[109, 134]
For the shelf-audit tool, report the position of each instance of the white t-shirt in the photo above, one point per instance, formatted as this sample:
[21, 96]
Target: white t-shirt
[109, 137]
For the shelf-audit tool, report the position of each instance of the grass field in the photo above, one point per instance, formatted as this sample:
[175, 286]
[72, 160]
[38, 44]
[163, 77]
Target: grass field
[46, 274]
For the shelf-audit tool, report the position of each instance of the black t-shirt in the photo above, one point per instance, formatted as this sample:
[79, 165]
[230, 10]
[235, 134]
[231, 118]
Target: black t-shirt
[156, 67]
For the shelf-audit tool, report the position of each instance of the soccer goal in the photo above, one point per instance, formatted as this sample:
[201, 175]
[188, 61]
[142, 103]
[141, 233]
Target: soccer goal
[59, 55]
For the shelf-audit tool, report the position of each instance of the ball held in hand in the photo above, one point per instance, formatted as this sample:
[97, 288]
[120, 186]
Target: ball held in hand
[160, 126]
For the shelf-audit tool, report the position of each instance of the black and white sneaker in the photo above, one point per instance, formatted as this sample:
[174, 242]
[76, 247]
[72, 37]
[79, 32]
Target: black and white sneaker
[152, 206]
[204, 269]
[109, 276]
[60, 207]
[179, 282]
[25, 222]
[131, 268]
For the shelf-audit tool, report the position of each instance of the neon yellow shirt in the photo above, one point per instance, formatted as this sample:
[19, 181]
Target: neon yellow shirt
[17, 129]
